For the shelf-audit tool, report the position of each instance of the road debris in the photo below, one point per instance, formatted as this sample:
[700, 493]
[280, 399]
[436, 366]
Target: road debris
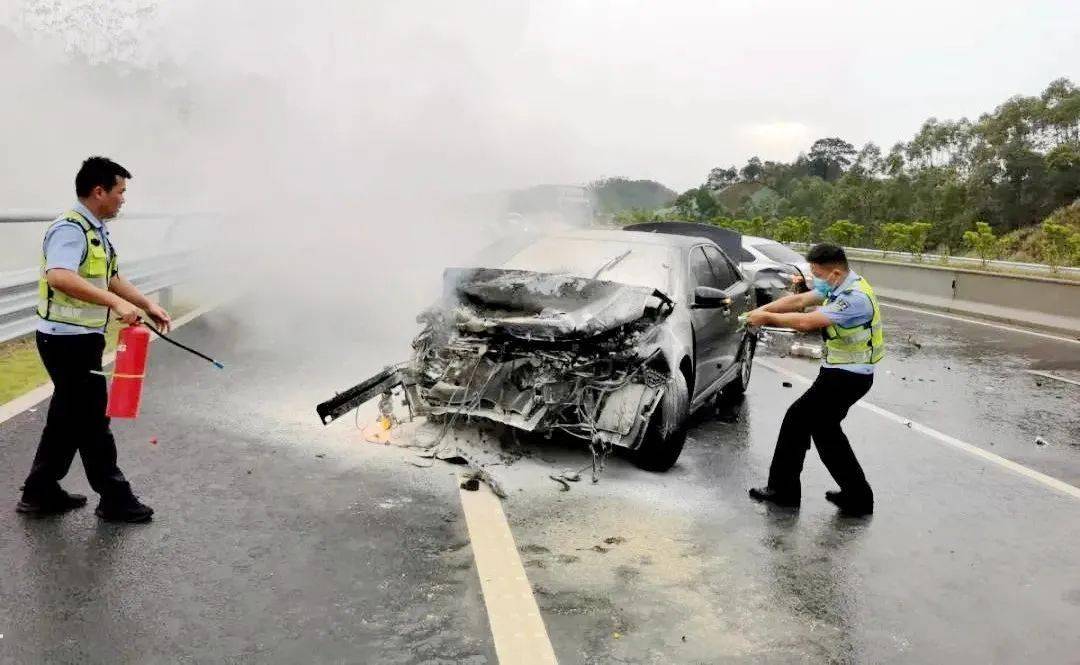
[563, 485]
[1039, 441]
[615, 540]
[320, 455]
[470, 484]
[451, 458]
[786, 384]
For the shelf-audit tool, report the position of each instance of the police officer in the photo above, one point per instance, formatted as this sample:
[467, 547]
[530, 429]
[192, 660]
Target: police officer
[80, 284]
[850, 321]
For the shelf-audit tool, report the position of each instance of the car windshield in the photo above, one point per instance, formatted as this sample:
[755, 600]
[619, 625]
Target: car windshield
[636, 264]
[780, 253]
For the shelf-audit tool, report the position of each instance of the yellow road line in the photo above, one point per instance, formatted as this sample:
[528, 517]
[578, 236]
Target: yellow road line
[1042, 478]
[516, 625]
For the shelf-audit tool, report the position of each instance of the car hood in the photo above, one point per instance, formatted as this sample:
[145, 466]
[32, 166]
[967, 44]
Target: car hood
[534, 305]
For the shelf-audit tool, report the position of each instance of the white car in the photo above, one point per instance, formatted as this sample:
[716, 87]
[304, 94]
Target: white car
[773, 268]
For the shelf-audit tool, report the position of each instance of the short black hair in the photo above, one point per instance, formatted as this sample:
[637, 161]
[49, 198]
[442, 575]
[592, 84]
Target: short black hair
[98, 171]
[827, 254]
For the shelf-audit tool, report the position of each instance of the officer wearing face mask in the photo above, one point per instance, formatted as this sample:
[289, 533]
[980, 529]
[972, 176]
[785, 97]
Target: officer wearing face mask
[846, 312]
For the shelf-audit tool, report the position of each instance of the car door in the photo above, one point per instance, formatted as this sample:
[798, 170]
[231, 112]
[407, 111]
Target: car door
[731, 281]
[710, 323]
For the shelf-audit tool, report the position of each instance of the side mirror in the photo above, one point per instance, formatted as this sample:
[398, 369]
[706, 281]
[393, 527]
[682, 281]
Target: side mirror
[706, 297]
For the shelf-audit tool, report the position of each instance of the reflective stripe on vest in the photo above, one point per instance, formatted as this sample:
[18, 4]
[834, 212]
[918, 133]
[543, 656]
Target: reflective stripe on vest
[863, 344]
[97, 267]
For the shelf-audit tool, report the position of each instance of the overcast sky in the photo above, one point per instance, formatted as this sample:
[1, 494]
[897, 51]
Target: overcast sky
[669, 89]
[513, 93]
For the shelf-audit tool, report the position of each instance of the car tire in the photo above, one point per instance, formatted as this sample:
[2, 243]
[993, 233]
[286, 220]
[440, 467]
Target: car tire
[737, 387]
[666, 435]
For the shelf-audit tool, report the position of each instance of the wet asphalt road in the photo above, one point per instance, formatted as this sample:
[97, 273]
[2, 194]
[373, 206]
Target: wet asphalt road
[263, 551]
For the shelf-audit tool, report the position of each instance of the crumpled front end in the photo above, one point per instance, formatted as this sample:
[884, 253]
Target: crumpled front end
[542, 353]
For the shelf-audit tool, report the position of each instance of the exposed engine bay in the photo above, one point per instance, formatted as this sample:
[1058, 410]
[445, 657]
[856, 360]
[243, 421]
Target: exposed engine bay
[537, 352]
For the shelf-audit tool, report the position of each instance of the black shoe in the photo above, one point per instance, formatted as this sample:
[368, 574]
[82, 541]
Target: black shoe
[131, 511]
[53, 504]
[850, 507]
[772, 496]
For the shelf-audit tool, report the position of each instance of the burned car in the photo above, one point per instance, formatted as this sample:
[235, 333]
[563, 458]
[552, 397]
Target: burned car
[772, 268]
[610, 337]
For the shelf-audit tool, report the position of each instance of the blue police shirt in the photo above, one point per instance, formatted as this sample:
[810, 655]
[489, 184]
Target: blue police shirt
[65, 247]
[850, 309]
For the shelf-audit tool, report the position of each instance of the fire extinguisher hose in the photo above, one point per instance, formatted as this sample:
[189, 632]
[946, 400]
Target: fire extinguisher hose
[183, 346]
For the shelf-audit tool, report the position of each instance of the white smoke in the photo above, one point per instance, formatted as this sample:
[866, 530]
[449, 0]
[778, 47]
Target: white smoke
[347, 146]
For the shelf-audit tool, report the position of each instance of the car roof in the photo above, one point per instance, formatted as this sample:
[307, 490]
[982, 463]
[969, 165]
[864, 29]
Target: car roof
[668, 240]
[754, 241]
[727, 239]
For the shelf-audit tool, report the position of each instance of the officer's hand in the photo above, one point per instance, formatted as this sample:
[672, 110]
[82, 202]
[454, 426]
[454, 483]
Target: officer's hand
[758, 317]
[127, 312]
[160, 317]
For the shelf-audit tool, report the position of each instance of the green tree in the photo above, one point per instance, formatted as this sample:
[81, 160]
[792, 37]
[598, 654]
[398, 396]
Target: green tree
[892, 237]
[793, 229]
[830, 157]
[720, 178]
[759, 226]
[983, 241]
[1074, 248]
[844, 232]
[917, 234]
[1010, 168]
[706, 204]
[753, 170]
[697, 204]
[1055, 244]
[635, 216]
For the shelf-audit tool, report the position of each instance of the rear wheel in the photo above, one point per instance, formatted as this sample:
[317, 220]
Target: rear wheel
[666, 436]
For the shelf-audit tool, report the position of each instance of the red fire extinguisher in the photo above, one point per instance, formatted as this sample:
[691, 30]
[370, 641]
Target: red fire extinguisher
[132, 351]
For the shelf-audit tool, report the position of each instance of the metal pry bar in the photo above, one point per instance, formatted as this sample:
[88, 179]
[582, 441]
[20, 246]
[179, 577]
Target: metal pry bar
[342, 403]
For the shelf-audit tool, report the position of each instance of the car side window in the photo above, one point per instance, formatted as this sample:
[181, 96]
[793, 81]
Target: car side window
[725, 274]
[701, 272]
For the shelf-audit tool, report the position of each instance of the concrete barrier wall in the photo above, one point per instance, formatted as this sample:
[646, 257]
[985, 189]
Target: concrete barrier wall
[1037, 302]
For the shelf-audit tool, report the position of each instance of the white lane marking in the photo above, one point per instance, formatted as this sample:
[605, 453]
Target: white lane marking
[516, 625]
[1055, 377]
[41, 393]
[1056, 338]
[1042, 478]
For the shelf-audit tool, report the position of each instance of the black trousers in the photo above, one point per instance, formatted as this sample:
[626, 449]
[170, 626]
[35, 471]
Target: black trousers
[76, 420]
[817, 415]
